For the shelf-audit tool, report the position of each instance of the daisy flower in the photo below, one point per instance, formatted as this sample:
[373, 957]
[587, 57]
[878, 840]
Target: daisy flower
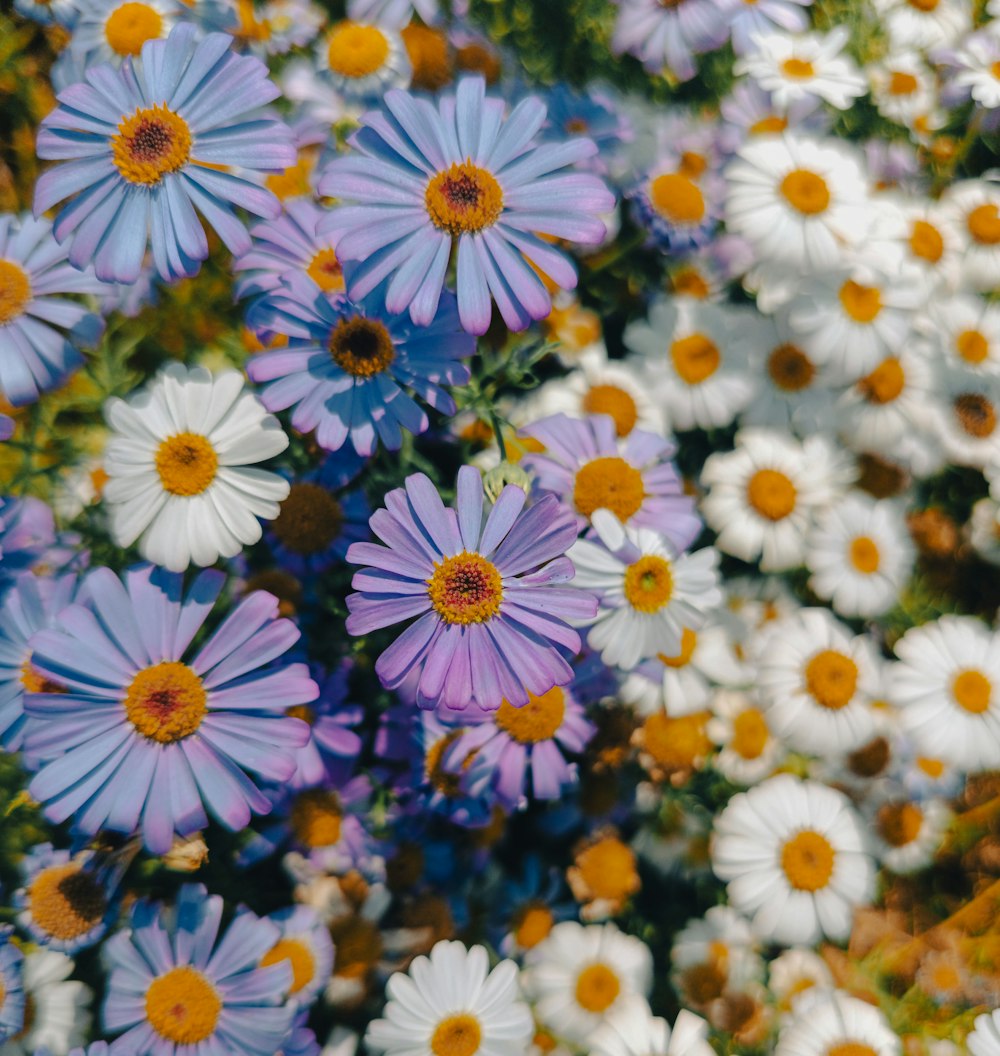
[965, 331]
[392, 12]
[143, 715]
[304, 944]
[597, 113]
[648, 594]
[797, 200]
[908, 834]
[148, 144]
[39, 328]
[973, 206]
[174, 985]
[679, 202]
[425, 177]
[766, 17]
[703, 380]
[977, 69]
[489, 598]
[860, 556]
[984, 1039]
[56, 1008]
[903, 88]
[27, 538]
[451, 1002]
[349, 363]
[364, 59]
[581, 975]
[180, 462]
[749, 751]
[837, 1023]
[11, 987]
[924, 232]
[588, 467]
[60, 12]
[796, 976]
[817, 683]
[762, 496]
[793, 854]
[947, 685]
[108, 31]
[966, 417]
[639, 1033]
[795, 68]
[921, 24]
[714, 953]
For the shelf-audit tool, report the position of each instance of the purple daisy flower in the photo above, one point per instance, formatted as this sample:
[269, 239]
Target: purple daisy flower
[333, 746]
[491, 605]
[35, 353]
[348, 365]
[27, 536]
[439, 786]
[147, 144]
[145, 737]
[175, 987]
[595, 113]
[425, 177]
[589, 467]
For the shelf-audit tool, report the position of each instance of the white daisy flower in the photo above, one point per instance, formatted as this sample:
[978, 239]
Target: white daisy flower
[794, 855]
[637, 1032]
[967, 417]
[797, 975]
[59, 1016]
[364, 60]
[696, 355]
[816, 683]
[921, 240]
[978, 66]
[974, 208]
[112, 30]
[766, 16]
[984, 1039]
[794, 68]
[748, 749]
[717, 952]
[797, 200]
[648, 593]
[860, 556]
[924, 24]
[180, 467]
[965, 331]
[763, 495]
[393, 12]
[984, 530]
[947, 685]
[903, 88]
[908, 833]
[451, 1002]
[581, 975]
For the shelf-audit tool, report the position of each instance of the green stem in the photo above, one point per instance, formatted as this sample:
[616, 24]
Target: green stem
[498, 433]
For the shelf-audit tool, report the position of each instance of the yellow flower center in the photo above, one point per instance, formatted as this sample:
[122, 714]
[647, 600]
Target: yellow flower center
[972, 346]
[926, 242]
[325, 270]
[649, 583]
[770, 125]
[457, 1036]
[798, 69]
[923, 5]
[806, 192]
[852, 1048]
[356, 51]
[900, 823]
[689, 639]
[597, 988]
[66, 902]
[790, 368]
[151, 143]
[902, 83]
[130, 26]
[678, 198]
[864, 555]
[885, 383]
[34, 682]
[831, 679]
[309, 519]
[15, 290]
[428, 52]
[695, 358]
[613, 401]
[807, 861]
[294, 182]
[166, 702]
[361, 347]
[299, 957]
[933, 768]
[183, 1006]
[984, 224]
[608, 483]
[607, 867]
[187, 464]
[750, 734]
[316, 818]
[972, 691]
[463, 198]
[676, 743]
[975, 414]
[771, 494]
[862, 303]
[538, 720]
[689, 282]
[532, 924]
[465, 589]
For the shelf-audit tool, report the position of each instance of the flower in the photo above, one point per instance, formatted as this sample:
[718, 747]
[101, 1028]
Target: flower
[648, 594]
[148, 145]
[34, 273]
[349, 363]
[639, 1033]
[587, 465]
[304, 944]
[56, 1015]
[106, 31]
[908, 834]
[174, 984]
[749, 750]
[489, 598]
[364, 59]
[984, 1039]
[793, 853]
[750, 21]
[581, 975]
[392, 12]
[973, 207]
[180, 463]
[837, 1023]
[333, 746]
[920, 24]
[714, 954]
[796, 975]
[11, 987]
[149, 736]
[489, 189]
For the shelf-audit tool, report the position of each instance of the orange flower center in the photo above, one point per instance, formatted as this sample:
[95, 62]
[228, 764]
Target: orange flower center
[864, 555]
[151, 143]
[183, 1006]
[900, 823]
[130, 26]
[608, 483]
[15, 290]
[613, 401]
[463, 199]
[806, 192]
[972, 346]
[355, 51]
[166, 702]
[361, 347]
[984, 224]
[316, 818]
[695, 358]
[885, 383]
[457, 1036]
[538, 720]
[532, 924]
[66, 902]
[972, 691]
[926, 242]
[771, 494]
[750, 734]
[597, 988]
[325, 270]
[798, 69]
[790, 368]
[861, 303]
[187, 464]
[466, 589]
[299, 957]
[607, 867]
[649, 583]
[975, 414]
[831, 679]
[807, 861]
[678, 198]
[689, 640]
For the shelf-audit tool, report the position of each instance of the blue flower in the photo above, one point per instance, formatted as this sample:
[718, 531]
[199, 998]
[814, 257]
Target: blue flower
[12, 998]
